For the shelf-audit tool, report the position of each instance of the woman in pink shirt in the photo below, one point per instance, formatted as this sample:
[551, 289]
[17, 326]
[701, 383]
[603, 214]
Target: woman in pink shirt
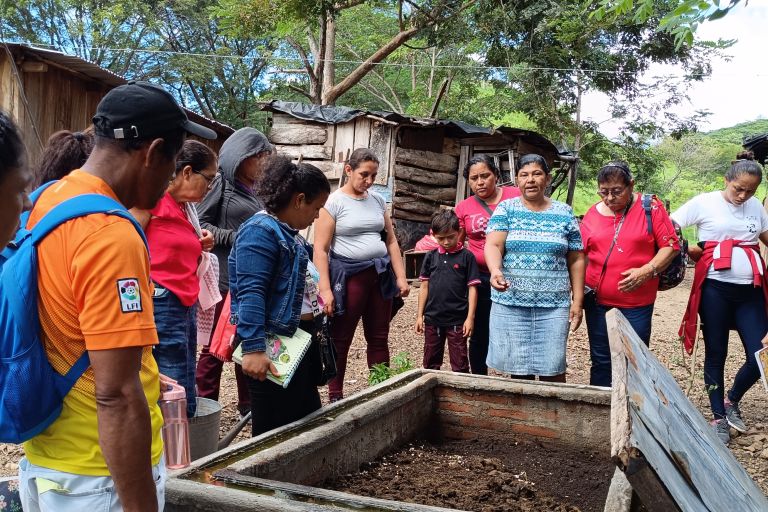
[483, 177]
[624, 258]
[175, 249]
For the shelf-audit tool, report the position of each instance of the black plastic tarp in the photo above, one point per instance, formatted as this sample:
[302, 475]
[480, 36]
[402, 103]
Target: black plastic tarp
[759, 145]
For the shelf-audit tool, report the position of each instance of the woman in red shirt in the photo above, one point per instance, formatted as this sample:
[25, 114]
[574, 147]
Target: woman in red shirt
[175, 249]
[623, 261]
[483, 177]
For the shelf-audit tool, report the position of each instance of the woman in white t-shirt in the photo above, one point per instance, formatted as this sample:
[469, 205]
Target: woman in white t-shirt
[730, 286]
[361, 269]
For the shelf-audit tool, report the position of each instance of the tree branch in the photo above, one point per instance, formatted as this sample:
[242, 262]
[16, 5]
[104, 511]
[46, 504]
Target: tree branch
[330, 95]
[304, 58]
[300, 91]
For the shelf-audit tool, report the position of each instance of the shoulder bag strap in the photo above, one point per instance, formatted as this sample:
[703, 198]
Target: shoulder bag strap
[613, 244]
[484, 205]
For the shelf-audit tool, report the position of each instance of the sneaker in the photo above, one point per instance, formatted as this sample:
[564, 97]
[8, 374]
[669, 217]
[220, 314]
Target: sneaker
[733, 415]
[721, 429]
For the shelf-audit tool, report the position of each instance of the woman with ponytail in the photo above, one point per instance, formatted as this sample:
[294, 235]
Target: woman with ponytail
[269, 277]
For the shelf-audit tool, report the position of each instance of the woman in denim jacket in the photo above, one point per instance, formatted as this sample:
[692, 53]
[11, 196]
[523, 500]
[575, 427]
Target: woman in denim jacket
[267, 269]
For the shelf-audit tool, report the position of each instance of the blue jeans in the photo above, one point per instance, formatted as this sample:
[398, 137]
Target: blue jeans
[640, 318]
[177, 332]
[726, 306]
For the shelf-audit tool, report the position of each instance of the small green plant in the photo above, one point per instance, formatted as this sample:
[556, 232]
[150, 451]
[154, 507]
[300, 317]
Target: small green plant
[382, 371]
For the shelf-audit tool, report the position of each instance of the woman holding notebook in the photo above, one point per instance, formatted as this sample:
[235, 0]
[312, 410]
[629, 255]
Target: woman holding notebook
[273, 289]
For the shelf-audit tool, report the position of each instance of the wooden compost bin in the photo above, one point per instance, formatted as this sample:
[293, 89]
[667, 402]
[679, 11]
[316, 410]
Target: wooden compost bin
[279, 470]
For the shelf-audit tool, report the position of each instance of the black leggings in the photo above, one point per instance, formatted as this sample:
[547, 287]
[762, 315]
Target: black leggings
[726, 306]
[273, 406]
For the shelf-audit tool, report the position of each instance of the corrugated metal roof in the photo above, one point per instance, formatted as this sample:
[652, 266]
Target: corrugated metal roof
[96, 73]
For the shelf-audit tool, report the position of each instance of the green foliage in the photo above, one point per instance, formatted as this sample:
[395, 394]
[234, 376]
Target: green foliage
[381, 372]
[682, 21]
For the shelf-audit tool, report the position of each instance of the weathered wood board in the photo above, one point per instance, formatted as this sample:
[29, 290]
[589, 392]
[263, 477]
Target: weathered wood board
[461, 182]
[310, 152]
[652, 419]
[443, 194]
[381, 139]
[437, 162]
[298, 134]
[345, 141]
[414, 174]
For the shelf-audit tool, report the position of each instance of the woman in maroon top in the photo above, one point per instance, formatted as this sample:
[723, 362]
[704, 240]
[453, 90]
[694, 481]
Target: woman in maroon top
[623, 261]
[175, 249]
[483, 177]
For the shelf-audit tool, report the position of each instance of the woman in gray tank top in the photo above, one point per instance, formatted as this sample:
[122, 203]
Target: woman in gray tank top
[360, 266]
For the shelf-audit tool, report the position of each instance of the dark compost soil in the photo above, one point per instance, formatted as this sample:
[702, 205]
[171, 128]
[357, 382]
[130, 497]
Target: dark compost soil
[486, 475]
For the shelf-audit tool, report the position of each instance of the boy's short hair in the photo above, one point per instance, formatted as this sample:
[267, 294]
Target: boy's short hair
[444, 221]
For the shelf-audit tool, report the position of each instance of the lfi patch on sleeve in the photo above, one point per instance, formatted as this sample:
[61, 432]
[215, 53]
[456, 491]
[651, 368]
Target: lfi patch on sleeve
[129, 294]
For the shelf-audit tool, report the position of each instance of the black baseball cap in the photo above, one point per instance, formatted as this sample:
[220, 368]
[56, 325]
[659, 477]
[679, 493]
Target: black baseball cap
[141, 110]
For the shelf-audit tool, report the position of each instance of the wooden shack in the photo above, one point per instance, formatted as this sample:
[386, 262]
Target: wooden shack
[421, 159]
[46, 91]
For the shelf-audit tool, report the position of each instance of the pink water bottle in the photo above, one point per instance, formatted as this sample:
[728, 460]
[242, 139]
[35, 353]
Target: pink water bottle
[173, 404]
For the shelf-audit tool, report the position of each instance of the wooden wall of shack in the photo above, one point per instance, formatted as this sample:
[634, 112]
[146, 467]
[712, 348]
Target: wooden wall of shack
[57, 98]
[420, 166]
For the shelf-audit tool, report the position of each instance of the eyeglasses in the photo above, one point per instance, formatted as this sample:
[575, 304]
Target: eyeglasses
[208, 179]
[615, 192]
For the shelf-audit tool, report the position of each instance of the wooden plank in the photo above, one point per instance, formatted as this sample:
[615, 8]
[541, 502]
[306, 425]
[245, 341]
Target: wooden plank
[645, 479]
[362, 133]
[345, 141]
[414, 217]
[446, 194]
[461, 183]
[427, 160]
[285, 119]
[414, 205]
[381, 139]
[701, 465]
[312, 152]
[417, 175]
[296, 134]
[332, 170]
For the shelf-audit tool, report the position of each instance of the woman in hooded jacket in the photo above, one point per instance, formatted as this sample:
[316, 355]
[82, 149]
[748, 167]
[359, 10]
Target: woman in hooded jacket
[231, 201]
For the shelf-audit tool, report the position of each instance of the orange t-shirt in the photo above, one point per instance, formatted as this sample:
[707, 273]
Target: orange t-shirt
[94, 294]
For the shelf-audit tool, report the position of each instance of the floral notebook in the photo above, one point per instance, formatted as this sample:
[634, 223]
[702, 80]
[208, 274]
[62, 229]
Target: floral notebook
[285, 352]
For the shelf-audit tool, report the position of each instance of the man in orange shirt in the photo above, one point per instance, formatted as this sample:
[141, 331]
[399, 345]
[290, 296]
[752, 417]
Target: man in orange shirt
[105, 450]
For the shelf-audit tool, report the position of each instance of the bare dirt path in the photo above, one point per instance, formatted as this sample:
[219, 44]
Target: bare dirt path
[751, 448]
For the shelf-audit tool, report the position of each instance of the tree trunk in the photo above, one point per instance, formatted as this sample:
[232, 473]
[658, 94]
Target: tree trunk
[573, 175]
[329, 71]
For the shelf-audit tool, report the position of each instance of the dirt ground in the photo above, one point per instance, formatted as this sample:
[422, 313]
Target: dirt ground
[519, 477]
[751, 449]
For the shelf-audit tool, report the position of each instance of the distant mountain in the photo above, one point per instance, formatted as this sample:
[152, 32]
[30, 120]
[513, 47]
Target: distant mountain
[736, 134]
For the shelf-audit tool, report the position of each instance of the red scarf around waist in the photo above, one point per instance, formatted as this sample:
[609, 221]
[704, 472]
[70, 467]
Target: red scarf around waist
[687, 330]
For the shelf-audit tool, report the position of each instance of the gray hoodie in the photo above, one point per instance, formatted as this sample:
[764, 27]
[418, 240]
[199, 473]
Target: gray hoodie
[228, 204]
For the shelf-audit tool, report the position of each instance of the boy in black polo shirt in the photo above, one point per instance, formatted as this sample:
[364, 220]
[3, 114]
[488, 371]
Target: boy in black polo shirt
[448, 297]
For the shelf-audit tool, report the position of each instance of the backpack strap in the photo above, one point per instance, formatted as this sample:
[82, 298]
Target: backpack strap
[647, 198]
[80, 206]
[33, 197]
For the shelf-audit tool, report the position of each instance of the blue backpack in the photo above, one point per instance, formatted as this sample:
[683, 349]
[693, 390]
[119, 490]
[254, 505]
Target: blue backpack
[31, 391]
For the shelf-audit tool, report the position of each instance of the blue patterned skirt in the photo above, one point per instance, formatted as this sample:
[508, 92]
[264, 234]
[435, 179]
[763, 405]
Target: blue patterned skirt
[528, 341]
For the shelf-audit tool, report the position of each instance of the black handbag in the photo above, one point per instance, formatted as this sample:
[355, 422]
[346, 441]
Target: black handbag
[327, 351]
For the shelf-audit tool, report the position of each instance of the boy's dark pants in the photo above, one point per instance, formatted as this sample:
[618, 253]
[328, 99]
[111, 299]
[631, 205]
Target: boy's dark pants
[434, 347]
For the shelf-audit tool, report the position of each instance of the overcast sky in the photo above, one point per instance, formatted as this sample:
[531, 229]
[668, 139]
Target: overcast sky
[737, 91]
